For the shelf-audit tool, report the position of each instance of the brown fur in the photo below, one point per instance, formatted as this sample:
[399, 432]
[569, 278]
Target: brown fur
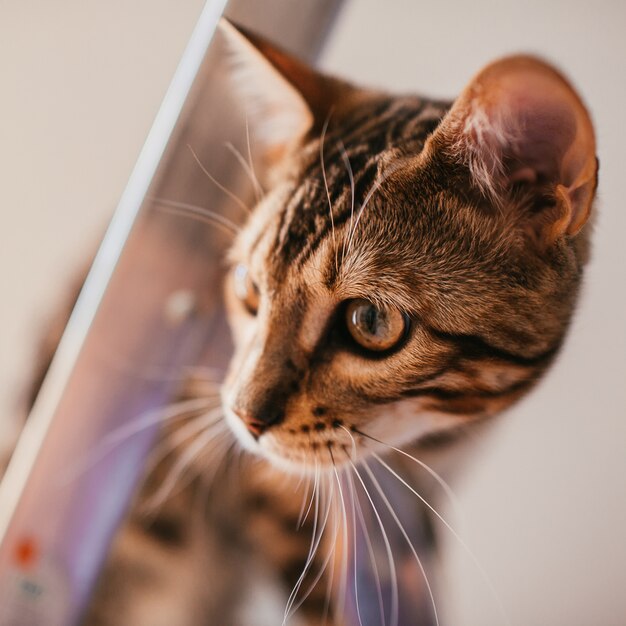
[467, 217]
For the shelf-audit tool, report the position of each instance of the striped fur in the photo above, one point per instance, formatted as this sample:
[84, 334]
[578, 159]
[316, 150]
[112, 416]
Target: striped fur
[489, 308]
[467, 217]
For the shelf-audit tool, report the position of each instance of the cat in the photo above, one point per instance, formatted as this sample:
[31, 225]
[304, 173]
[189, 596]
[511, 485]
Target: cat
[409, 273]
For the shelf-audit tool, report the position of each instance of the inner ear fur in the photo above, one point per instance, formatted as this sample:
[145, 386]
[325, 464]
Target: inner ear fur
[285, 98]
[520, 123]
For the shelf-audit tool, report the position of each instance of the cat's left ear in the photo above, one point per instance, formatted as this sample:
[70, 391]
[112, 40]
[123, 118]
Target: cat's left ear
[284, 98]
[519, 122]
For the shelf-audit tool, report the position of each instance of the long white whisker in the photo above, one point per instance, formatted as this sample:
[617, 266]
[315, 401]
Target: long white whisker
[344, 557]
[124, 432]
[323, 568]
[330, 205]
[255, 183]
[354, 555]
[329, 584]
[188, 430]
[406, 537]
[393, 619]
[440, 481]
[196, 212]
[463, 544]
[221, 187]
[370, 550]
[315, 487]
[311, 554]
[312, 551]
[305, 499]
[375, 187]
[182, 463]
[223, 444]
[352, 440]
[346, 161]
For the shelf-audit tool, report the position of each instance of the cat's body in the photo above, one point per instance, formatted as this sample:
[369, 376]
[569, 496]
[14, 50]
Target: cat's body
[409, 274]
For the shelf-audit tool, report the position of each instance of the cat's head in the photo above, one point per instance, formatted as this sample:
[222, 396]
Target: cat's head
[413, 266]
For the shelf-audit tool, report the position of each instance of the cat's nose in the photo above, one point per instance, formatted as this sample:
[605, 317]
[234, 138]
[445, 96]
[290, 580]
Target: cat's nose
[257, 423]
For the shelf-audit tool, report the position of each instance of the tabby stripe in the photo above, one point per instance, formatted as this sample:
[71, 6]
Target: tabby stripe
[280, 235]
[402, 120]
[476, 347]
[448, 393]
[298, 242]
[367, 177]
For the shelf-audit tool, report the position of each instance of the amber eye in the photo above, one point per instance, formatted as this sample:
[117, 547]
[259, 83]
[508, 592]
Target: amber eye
[245, 289]
[374, 328]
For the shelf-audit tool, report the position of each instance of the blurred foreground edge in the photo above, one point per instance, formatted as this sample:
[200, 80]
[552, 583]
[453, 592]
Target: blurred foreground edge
[151, 306]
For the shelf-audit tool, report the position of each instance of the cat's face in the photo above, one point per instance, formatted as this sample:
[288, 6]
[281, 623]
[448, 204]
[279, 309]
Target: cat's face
[437, 288]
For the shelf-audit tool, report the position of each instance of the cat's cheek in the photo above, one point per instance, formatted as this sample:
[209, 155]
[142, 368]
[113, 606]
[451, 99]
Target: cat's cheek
[243, 329]
[242, 324]
[407, 421]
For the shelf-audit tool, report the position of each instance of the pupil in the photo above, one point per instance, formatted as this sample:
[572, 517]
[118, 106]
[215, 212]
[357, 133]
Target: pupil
[371, 320]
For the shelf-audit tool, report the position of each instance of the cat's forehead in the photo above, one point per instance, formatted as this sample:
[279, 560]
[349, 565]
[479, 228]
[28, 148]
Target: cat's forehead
[335, 177]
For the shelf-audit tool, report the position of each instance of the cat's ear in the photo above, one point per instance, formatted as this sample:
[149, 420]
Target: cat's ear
[284, 98]
[519, 123]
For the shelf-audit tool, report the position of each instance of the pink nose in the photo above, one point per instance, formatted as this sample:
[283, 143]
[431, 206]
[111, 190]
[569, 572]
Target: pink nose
[259, 423]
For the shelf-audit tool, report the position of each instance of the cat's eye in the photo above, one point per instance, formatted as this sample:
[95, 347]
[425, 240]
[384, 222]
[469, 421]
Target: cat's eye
[245, 289]
[373, 328]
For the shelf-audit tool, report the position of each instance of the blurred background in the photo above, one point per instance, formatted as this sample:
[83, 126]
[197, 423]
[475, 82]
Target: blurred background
[545, 498]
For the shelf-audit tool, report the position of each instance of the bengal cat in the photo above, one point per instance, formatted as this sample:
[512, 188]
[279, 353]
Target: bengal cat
[409, 273]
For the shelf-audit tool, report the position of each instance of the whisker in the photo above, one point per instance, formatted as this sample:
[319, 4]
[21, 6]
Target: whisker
[246, 167]
[346, 161]
[302, 520]
[375, 187]
[304, 477]
[353, 441]
[462, 543]
[223, 465]
[329, 582]
[221, 187]
[344, 560]
[161, 373]
[405, 535]
[249, 165]
[442, 483]
[315, 541]
[191, 428]
[370, 550]
[330, 205]
[119, 435]
[219, 458]
[392, 564]
[151, 418]
[196, 212]
[257, 185]
[323, 568]
[185, 461]
[354, 556]
[221, 468]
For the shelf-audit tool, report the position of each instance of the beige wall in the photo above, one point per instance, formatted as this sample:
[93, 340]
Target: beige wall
[545, 502]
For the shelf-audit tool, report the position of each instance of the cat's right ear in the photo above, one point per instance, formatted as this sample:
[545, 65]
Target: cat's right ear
[283, 97]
